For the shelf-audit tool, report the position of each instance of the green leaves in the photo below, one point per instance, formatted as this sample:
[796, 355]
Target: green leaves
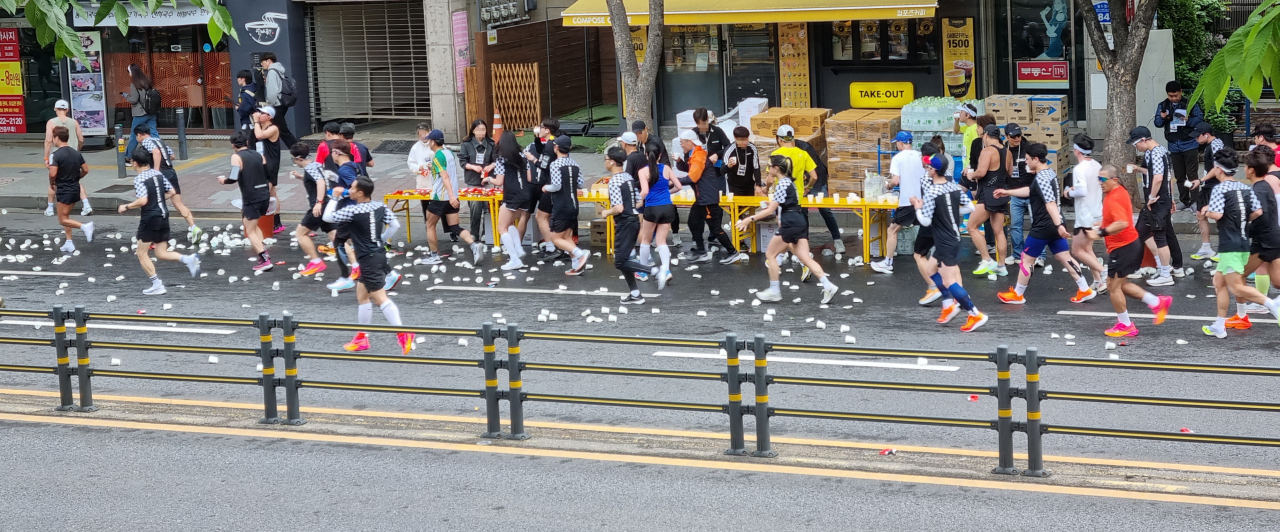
[1250, 59]
[49, 19]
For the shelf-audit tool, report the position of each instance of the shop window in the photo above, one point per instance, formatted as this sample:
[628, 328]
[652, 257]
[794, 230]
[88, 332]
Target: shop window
[898, 41]
[190, 73]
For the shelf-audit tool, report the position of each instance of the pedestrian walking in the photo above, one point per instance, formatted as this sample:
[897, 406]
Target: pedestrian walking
[143, 103]
[444, 205]
[1179, 123]
[247, 100]
[706, 213]
[62, 110]
[268, 144]
[279, 95]
[66, 169]
[477, 158]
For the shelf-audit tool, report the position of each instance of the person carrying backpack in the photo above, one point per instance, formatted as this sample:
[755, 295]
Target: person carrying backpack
[144, 100]
[282, 93]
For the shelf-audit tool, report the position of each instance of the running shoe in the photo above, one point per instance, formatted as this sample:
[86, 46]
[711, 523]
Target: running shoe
[839, 245]
[642, 276]
[327, 250]
[1164, 280]
[314, 267]
[1002, 270]
[156, 289]
[930, 295]
[68, 247]
[576, 271]
[355, 272]
[87, 229]
[1084, 295]
[405, 340]
[1239, 322]
[883, 266]
[1120, 330]
[664, 277]
[700, 257]
[675, 240]
[769, 295]
[263, 266]
[1098, 286]
[193, 265]
[580, 260]
[392, 280]
[86, 210]
[1040, 262]
[805, 274]
[195, 234]
[985, 267]
[1048, 269]
[1210, 331]
[974, 322]
[48, 211]
[829, 293]
[477, 249]
[1204, 254]
[279, 229]
[1011, 297]
[359, 343]
[1274, 307]
[1134, 275]
[1254, 308]
[341, 284]
[734, 258]
[949, 313]
[1162, 309]
[632, 300]
[1010, 260]
[513, 264]
[432, 258]
[1178, 272]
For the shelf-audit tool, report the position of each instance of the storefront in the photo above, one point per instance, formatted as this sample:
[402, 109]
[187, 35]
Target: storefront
[31, 81]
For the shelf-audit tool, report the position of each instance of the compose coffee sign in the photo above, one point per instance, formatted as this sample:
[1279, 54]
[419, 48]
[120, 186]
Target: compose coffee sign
[958, 57]
[881, 94]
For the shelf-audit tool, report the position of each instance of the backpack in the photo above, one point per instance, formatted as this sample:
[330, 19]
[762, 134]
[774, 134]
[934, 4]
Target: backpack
[151, 101]
[288, 90]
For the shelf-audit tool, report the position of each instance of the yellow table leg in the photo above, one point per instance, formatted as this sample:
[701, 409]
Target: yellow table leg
[866, 234]
[494, 205]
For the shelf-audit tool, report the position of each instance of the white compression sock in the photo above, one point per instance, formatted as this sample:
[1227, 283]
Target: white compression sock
[391, 312]
[664, 253]
[826, 282]
[645, 254]
[775, 285]
[1082, 283]
[364, 313]
[1150, 299]
[1240, 309]
[1123, 318]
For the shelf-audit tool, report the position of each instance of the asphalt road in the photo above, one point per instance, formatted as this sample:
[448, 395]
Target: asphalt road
[72, 478]
[886, 316]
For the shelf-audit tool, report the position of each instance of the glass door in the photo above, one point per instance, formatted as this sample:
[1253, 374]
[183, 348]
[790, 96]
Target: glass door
[190, 73]
[751, 64]
[692, 75]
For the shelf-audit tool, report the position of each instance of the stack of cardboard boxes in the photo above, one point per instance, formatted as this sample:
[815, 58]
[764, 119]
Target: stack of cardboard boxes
[1043, 119]
[807, 122]
[852, 139]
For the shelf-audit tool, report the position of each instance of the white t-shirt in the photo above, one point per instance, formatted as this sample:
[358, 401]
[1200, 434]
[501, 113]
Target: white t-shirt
[907, 167]
[1084, 180]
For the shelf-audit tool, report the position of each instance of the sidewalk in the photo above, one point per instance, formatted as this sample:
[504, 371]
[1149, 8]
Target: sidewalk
[24, 180]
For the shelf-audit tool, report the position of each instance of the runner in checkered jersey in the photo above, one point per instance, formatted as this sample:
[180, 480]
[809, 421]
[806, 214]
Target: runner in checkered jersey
[151, 188]
[370, 224]
[1155, 222]
[317, 187]
[939, 211]
[1204, 186]
[626, 222]
[161, 154]
[1234, 205]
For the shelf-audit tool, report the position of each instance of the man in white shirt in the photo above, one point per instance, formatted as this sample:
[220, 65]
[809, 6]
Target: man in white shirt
[420, 159]
[1087, 192]
[906, 171]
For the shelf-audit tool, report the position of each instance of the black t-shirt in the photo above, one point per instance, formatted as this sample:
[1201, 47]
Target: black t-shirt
[635, 162]
[253, 183]
[68, 161]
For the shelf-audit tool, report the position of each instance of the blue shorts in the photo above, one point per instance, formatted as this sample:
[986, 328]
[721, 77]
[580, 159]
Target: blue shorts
[1035, 246]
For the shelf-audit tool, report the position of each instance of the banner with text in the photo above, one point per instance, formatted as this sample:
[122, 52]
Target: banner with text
[88, 97]
[1044, 75]
[958, 57]
[13, 116]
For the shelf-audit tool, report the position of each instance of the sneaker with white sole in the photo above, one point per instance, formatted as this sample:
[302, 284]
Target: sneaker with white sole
[68, 247]
[195, 234]
[155, 290]
[930, 295]
[632, 300]
[829, 293]
[882, 266]
[513, 264]
[392, 280]
[87, 229]
[1160, 281]
[1204, 254]
[700, 258]
[1002, 270]
[1210, 330]
[1010, 260]
[664, 277]
[734, 258]
[1040, 262]
[1048, 269]
[193, 265]
[769, 294]
[839, 245]
[48, 211]
[1134, 275]
[1179, 273]
[477, 249]
[675, 240]
[344, 283]
[1254, 308]
[86, 210]
[805, 274]
[432, 258]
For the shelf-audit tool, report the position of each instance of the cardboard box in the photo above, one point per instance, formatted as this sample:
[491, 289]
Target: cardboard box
[766, 124]
[879, 125]
[808, 121]
[1049, 108]
[1017, 109]
[996, 106]
[599, 232]
[1053, 135]
[765, 232]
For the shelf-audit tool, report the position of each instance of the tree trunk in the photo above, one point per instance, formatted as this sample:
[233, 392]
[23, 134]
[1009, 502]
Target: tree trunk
[1121, 107]
[638, 81]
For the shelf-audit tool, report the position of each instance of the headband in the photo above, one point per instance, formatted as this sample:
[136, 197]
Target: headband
[1225, 170]
[1081, 150]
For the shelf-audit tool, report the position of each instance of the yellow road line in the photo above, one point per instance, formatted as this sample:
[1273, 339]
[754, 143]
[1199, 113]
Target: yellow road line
[646, 431]
[182, 166]
[201, 160]
[649, 460]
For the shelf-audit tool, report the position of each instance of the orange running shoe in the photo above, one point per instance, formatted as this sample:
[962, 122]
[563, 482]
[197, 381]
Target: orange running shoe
[1084, 295]
[327, 250]
[1162, 310]
[949, 313]
[359, 343]
[355, 272]
[406, 342]
[314, 268]
[1011, 298]
[974, 322]
[1238, 322]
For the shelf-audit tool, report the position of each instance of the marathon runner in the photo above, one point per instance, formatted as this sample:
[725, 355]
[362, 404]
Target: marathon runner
[939, 212]
[1233, 205]
[268, 135]
[317, 188]
[1155, 225]
[150, 186]
[1124, 255]
[793, 230]
[444, 206]
[626, 222]
[248, 171]
[989, 174]
[66, 168]
[562, 194]
[510, 168]
[162, 154]
[659, 214]
[1087, 192]
[1204, 186]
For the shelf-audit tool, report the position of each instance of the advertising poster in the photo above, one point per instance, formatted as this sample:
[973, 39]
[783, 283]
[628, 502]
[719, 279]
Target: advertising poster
[793, 62]
[88, 99]
[461, 50]
[1044, 75]
[13, 115]
[958, 57]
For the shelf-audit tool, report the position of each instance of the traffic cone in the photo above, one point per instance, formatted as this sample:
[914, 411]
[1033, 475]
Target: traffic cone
[497, 123]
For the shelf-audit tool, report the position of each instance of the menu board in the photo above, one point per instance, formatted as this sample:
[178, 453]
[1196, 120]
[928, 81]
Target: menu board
[13, 116]
[793, 64]
[958, 57]
[88, 98]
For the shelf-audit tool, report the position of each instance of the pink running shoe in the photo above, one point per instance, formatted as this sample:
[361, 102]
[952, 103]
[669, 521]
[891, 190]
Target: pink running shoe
[1120, 330]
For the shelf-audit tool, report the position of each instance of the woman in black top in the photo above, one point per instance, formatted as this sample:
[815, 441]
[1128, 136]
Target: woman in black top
[988, 175]
[517, 198]
[477, 159]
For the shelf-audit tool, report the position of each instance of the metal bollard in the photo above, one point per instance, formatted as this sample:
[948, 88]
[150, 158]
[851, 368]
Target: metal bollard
[764, 449]
[82, 361]
[491, 413]
[737, 438]
[120, 145]
[64, 359]
[269, 408]
[1035, 448]
[293, 410]
[1004, 406]
[515, 394]
[182, 134]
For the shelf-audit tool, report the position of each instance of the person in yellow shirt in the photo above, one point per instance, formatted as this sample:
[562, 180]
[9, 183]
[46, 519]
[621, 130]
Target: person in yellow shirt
[967, 125]
[804, 171]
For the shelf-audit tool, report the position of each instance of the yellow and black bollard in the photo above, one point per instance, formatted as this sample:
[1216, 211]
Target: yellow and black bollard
[1035, 447]
[82, 360]
[764, 448]
[1004, 411]
[737, 438]
[293, 411]
[515, 393]
[270, 412]
[493, 421]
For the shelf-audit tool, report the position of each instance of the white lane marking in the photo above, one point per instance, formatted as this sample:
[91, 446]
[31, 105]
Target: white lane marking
[33, 323]
[858, 363]
[530, 291]
[45, 274]
[1168, 317]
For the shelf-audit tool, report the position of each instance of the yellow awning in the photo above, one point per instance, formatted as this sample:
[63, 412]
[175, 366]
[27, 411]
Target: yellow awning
[697, 12]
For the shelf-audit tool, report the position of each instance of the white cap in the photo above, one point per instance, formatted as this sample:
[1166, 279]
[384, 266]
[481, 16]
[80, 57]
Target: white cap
[268, 110]
[61, 104]
[786, 131]
[629, 138]
[690, 136]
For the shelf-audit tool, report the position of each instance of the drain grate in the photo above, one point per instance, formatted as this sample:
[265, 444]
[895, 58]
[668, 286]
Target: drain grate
[398, 147]
[116, 189]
